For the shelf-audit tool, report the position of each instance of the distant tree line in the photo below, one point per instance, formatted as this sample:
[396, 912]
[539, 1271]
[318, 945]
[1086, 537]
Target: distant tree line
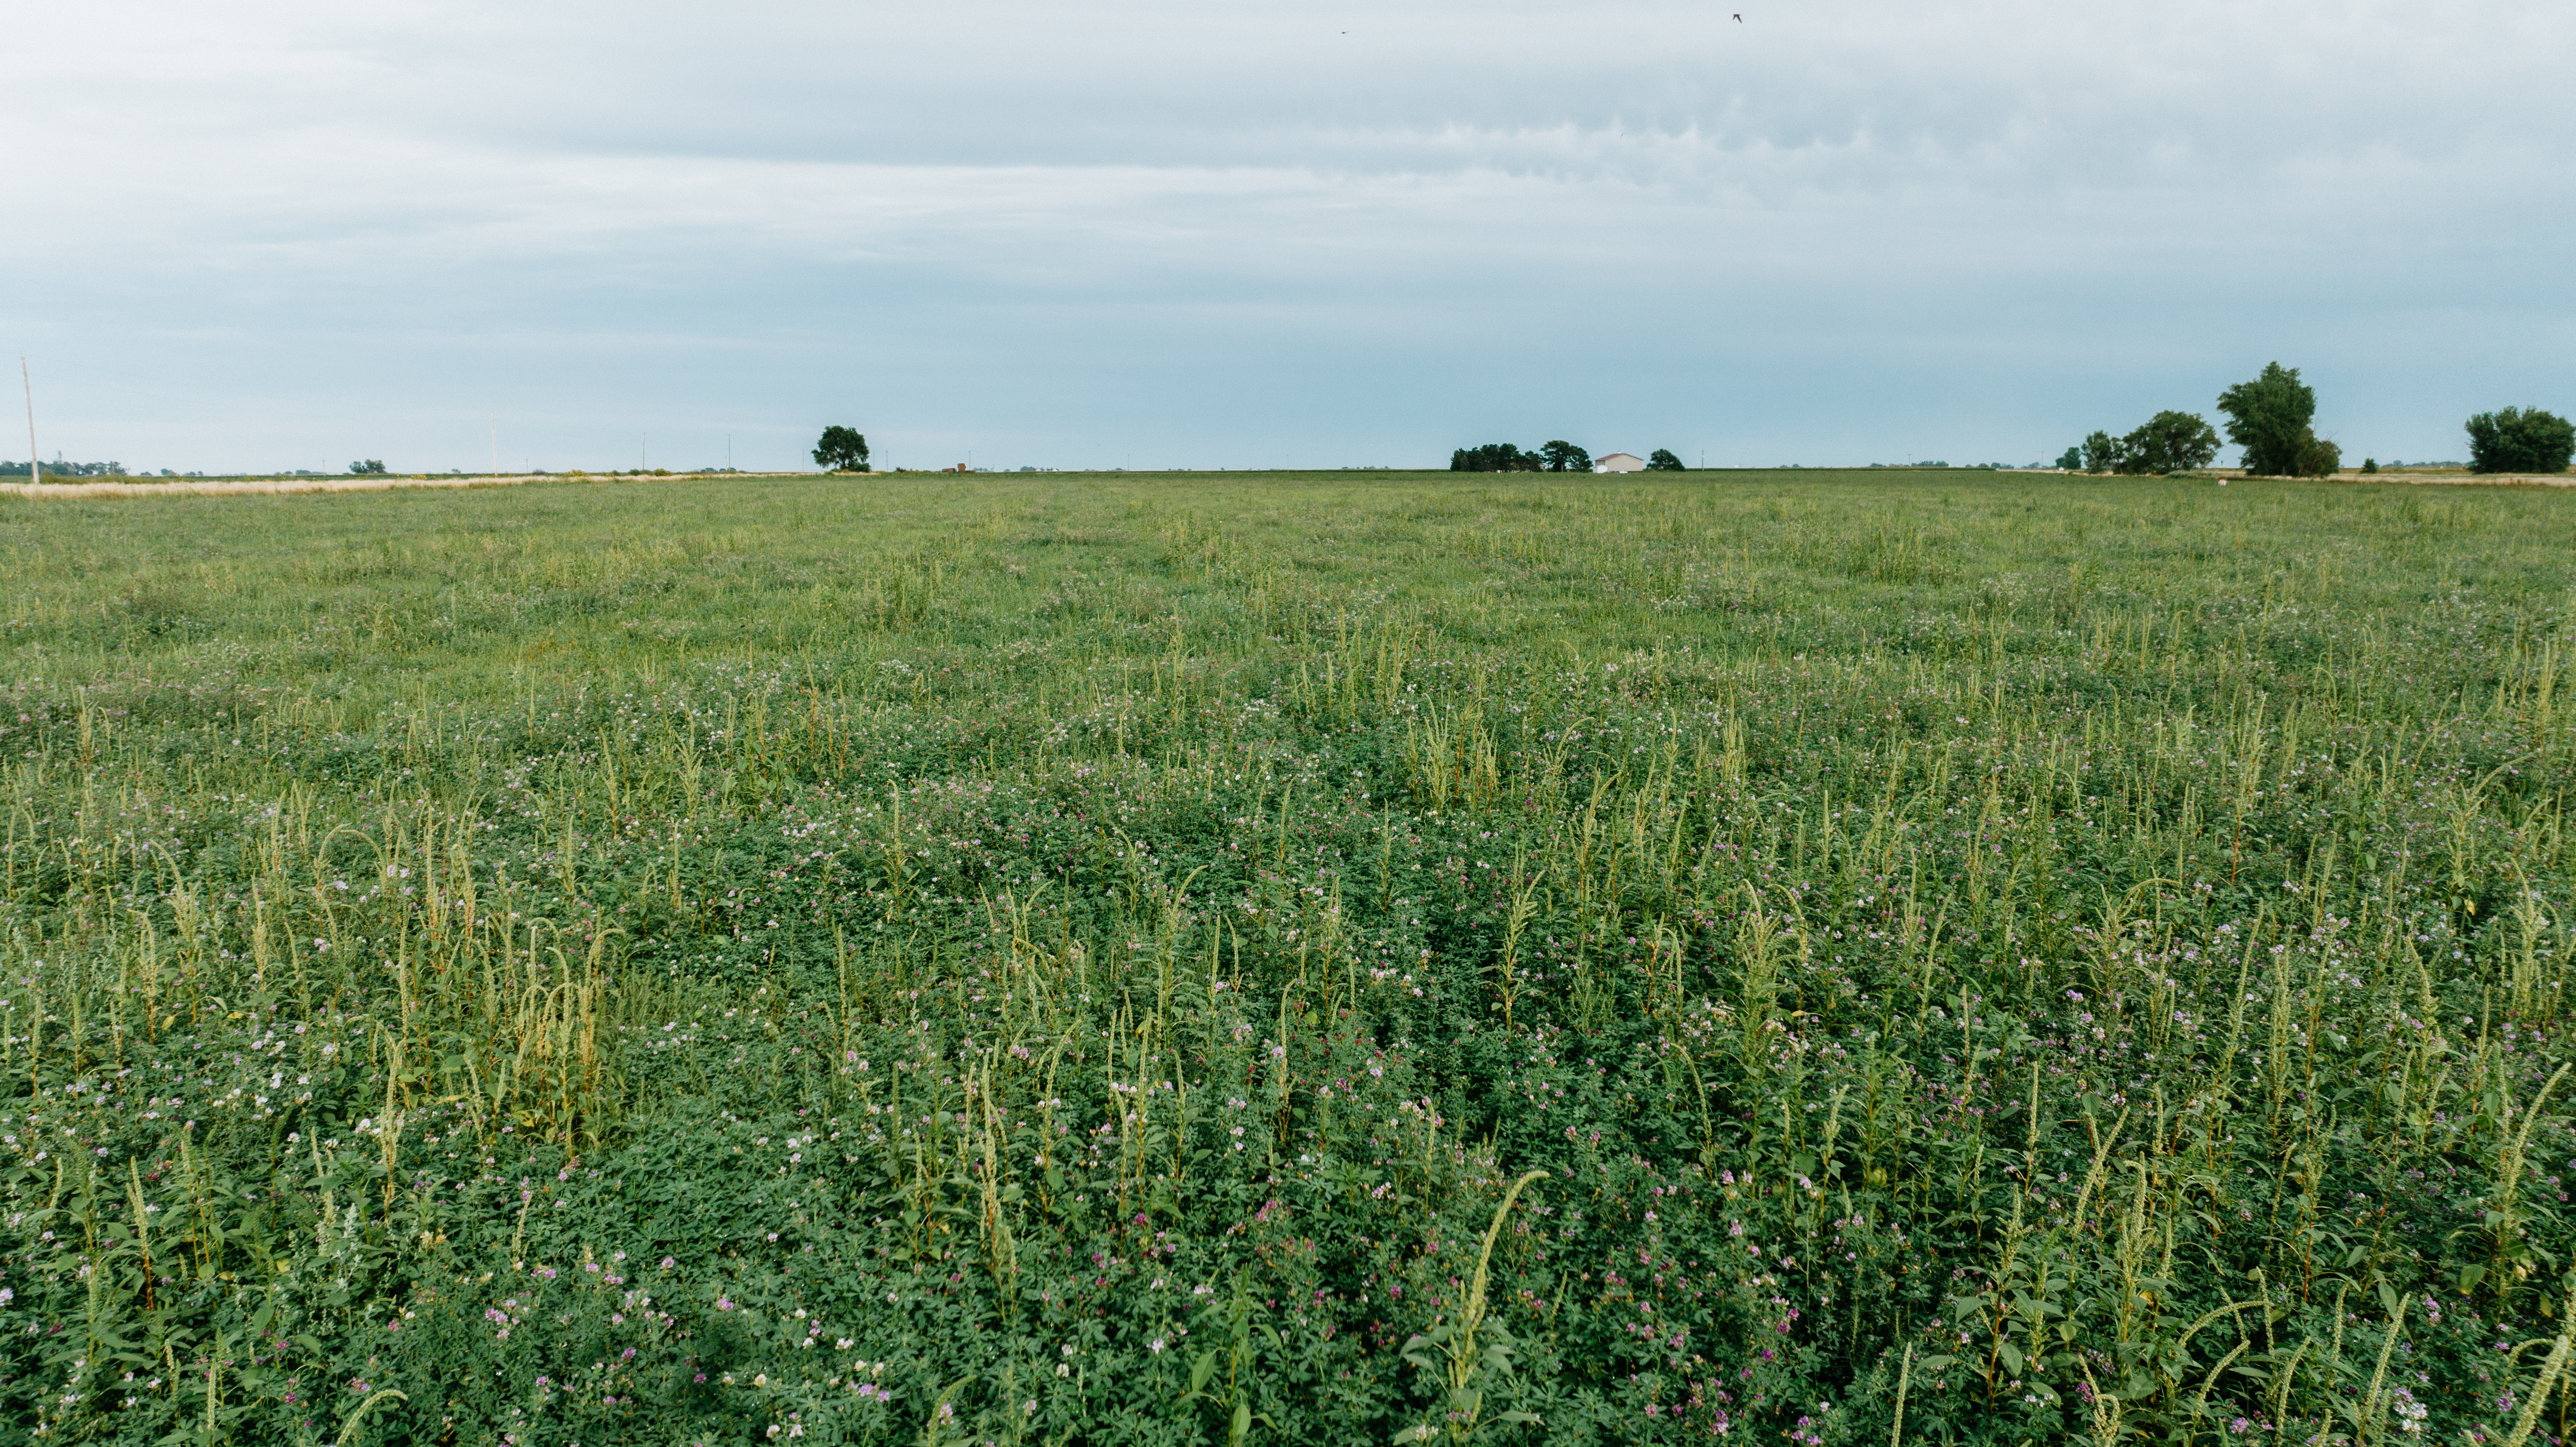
[66, 469]
[2273, 418]
[2167, 442]
[1557, 456]
[1495, 457]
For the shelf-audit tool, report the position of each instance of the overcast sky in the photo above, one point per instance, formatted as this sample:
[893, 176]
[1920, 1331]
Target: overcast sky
[1240, 233]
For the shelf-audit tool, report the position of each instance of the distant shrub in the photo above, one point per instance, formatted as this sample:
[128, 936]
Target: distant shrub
[2101, 452]
[1564, 456]
[1495, 457]
[2520, 440]
[2318, 457]
[1663, 460]
[2168, 442]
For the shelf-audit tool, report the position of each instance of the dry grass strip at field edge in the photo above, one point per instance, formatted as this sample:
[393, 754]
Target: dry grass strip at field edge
[215, 487]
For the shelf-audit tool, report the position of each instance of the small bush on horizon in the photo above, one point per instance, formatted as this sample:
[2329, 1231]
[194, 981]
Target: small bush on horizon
[2520, 440]
[2318, 457]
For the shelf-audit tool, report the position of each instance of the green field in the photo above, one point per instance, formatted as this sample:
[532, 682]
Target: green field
[1079, 959]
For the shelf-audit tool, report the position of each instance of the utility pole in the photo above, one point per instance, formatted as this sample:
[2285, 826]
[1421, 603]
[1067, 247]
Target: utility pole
[728, 452]
[35, 469]
[643, 444]
[496, 444]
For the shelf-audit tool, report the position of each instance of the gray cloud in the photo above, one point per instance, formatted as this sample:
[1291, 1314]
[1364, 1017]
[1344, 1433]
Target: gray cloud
[288, 234]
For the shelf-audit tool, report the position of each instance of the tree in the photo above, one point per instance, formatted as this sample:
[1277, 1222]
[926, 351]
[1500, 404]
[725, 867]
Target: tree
[2516, 440]
[1493, 457]
[2169, 442]
[2101, 452]
[2071, 459]
[369, 468]
[1564, 456]
[842, 450]
[1662, 460]
[2269, 417]
[2317, 458]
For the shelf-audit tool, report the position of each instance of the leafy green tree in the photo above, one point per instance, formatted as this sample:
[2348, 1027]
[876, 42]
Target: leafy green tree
[2269, 417]
[372, 467]
[2169, 442]
[2318, 458]
[842, 450]
[1564, 456]
[1493, 457]
[1662, 460]
[2519, 440]
[2072, 459]
[2101, 453]
[2369, 465]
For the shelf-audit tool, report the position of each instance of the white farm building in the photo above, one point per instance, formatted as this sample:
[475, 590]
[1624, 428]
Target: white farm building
[1618, 462]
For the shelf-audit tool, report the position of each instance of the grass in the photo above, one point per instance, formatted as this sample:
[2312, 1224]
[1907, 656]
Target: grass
[1791, 956]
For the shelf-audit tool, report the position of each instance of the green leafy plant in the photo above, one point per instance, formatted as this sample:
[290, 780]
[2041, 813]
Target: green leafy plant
[1979, 959]
[2168, 442]
[1450, 1351]
[1495, 457]
[1563, 456]
[2270, 418]
[2520, 440]
[842, 449]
